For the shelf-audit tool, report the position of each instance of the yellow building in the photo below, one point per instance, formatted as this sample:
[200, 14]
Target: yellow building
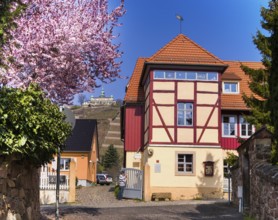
[82, 147]
[174, 124]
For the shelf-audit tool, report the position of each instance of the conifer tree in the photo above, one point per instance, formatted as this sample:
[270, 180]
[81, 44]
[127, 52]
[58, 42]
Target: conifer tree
[264, 102]
[111, 158]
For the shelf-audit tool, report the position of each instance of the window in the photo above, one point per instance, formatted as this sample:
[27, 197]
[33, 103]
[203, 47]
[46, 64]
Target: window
[245, 128]
[201, 76]
[180, 75]
[185, 75]
[170, 75]
[65, 163]
[159, 74]
[229, 125]
[185, 163]
[230, 87]
[212, 76]
[185, 114]
[191, 75]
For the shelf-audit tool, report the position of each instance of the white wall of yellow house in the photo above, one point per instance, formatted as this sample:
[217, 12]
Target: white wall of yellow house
[207, 87]
[185, 135]
[169, 86]
[165, 157]
[203, 98]
[164, 98]
[168, 114]
[203, 114]
[160, 135]
[186, 90]
[209, 135]
[132, 161]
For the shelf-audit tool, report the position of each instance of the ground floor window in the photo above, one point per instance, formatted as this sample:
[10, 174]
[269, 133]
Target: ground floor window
[185, 163]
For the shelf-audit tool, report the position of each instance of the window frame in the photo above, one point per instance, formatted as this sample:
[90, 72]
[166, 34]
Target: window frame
[185, 110]
[240, 128]
[187, 75]
[185, 173]
[230, 92]
[64, 163]
[222, 122]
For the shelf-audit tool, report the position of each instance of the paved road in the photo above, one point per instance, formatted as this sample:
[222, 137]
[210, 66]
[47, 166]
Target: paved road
[100, 203]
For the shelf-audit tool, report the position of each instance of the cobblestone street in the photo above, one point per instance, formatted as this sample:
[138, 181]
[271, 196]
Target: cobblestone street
[99, 202]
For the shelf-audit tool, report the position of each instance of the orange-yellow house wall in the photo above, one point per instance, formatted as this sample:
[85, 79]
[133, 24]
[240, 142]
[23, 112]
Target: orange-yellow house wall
[81, 163]
[86, 162]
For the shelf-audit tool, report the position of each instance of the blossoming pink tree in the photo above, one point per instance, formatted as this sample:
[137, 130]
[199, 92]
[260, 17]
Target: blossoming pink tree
[64, 46]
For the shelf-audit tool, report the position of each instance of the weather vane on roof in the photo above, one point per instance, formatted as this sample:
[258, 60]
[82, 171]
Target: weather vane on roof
[180, 18]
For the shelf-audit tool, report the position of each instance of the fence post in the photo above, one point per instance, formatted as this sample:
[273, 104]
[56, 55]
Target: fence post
[72, 179]
[147, 196]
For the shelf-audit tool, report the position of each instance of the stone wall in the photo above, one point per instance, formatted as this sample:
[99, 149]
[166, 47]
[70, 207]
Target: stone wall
[258, 177]
[19, 189]
[236, 181]
[264, 191]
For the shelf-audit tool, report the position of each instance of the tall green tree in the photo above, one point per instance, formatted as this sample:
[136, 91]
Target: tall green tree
[264, 102]
[111, 158]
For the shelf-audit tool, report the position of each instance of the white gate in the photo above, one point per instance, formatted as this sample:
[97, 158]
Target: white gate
[134, 185]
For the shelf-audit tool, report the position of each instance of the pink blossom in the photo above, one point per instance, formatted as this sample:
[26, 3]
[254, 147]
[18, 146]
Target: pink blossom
[64, 46]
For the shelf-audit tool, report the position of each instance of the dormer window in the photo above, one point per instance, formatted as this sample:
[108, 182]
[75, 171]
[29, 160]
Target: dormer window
[230, 87]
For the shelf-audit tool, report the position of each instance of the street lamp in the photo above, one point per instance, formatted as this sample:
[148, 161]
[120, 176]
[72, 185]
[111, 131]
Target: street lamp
[180, 18]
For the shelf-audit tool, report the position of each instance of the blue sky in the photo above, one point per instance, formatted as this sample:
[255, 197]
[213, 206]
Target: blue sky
[223, 27]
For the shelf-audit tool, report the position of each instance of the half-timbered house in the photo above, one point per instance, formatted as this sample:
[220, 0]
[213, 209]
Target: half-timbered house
[182, 111]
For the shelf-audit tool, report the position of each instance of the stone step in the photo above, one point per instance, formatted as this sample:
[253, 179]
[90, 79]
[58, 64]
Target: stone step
[111, 135]
[113, 132]
[115, 128]
[116, 146]
[115, 123]
[112, 138]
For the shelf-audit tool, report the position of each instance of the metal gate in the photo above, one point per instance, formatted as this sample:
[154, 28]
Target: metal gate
[134, 185]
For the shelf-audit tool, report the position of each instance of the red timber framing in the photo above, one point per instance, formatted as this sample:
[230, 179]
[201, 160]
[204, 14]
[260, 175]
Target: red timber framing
[208, 120]
[174, 140]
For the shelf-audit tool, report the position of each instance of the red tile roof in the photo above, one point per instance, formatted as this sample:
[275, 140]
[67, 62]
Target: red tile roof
[182, 50]
[134, 92]
[235, 101]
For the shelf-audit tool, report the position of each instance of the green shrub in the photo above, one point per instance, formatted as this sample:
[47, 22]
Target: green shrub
[116, 191]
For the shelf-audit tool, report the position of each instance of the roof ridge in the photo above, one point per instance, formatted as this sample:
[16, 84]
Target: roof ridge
[182, 39]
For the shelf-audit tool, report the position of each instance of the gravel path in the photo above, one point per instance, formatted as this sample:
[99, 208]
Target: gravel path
[103, 197]
[91, 200]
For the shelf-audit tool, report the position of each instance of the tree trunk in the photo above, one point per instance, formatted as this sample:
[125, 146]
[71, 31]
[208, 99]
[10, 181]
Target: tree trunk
[19, 189]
